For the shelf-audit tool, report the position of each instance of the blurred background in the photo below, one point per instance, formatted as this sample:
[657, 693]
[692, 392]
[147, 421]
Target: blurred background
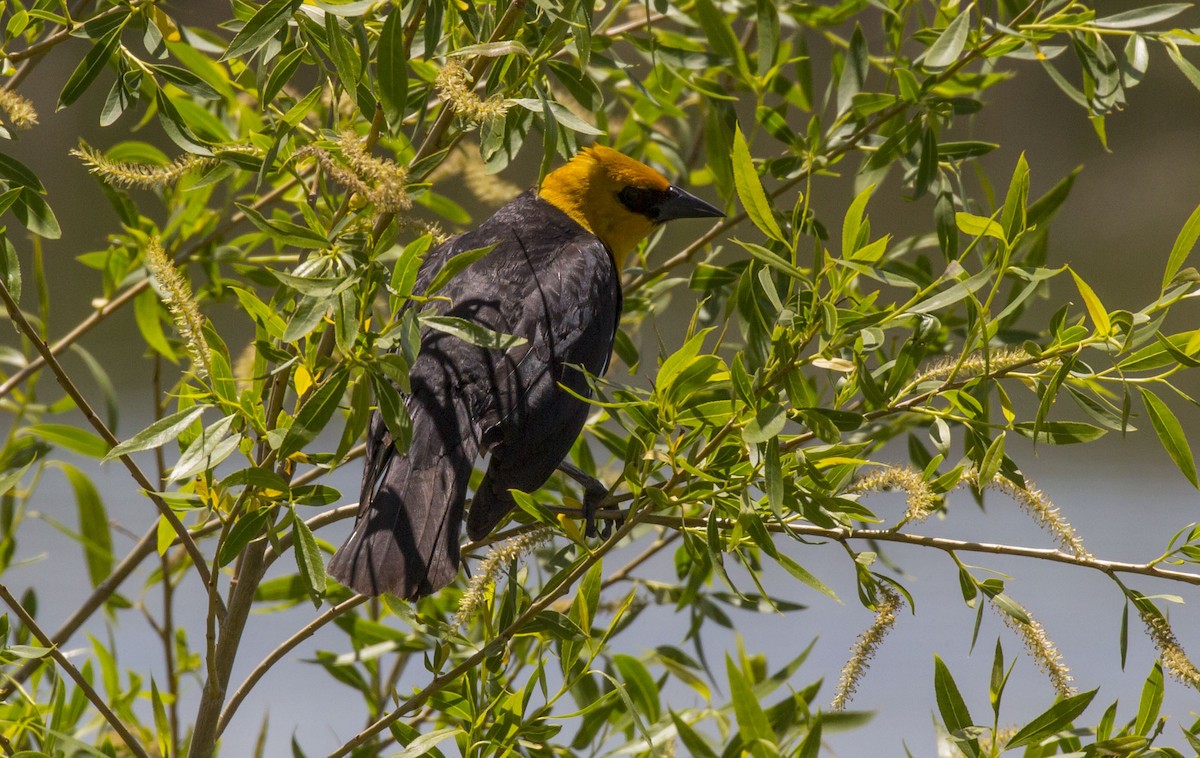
[1116, 230]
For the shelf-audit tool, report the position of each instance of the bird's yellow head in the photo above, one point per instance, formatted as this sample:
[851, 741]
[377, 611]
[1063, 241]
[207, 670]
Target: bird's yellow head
[618, 199]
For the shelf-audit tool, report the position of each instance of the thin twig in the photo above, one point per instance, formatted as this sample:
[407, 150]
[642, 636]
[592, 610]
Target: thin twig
[131, 742]
[941, 543]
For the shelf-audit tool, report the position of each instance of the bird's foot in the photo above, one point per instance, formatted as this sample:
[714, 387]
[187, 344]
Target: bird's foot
[595, 499]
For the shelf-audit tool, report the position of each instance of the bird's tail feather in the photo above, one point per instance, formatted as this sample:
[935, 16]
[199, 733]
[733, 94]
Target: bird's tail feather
[406, 540]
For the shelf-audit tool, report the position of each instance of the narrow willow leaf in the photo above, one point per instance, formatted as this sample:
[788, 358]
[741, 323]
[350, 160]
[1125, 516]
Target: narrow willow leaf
[695, 743]
[308, 559]
[35, 214]
[214, 445]
[1150, 704]
[263, 25]
[750, 189]
[456, 263]
[978, 226]
[280, 75]
[949, 45]
[640, 685]
[69, 438]
[951, 705]
[93, 525]
[391, 68]
[1170, 434]
[852, 222]
[751, 720]
[424, 744]
[89, 68]
[314, 414]
[1056, 718]
[1095, 308]
[1184, 242]
[473, 333]
[1061, 432]
[157, 434]
[1139, 17]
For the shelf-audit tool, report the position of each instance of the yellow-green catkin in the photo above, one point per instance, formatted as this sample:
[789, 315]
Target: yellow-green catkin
[454, 84]
[1038, 506]
[974, 364]
[176, 293]
[488, 570]
[380, 181]
[148, 176]
[922, 500]
[889, 604]
[18, 109]
[1040, 647]
[1173, 657]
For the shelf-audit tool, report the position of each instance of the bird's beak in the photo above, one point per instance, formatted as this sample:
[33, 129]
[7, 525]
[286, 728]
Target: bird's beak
[680, 204]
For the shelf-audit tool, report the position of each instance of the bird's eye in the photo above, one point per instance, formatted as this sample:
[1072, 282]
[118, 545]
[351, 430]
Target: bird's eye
[643, 200]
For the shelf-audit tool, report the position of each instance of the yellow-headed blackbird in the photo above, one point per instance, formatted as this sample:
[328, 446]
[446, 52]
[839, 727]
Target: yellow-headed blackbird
[553, 279]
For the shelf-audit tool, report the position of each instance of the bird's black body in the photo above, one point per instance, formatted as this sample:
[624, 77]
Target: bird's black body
[549, 281]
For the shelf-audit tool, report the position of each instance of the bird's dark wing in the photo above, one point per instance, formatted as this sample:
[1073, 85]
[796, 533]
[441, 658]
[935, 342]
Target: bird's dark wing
[569, 317]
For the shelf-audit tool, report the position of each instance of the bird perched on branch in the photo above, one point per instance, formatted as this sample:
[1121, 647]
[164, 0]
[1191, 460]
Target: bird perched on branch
[553, 280]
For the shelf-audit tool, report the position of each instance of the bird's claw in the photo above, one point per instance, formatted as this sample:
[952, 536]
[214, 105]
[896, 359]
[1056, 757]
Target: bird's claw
[595, 498]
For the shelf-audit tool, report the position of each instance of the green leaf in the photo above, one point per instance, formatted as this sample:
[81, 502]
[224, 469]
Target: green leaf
[751, 719]
[1139, 17]
[472, 333]
[773, 260]
[951, 705]
[978, 226]
[456, 263]
[157, 434]
[1150, 704]
[35, 215]
[424, 744]
[1170, 434]
[1061, 432]
[263, 25]
[1012, 216]
[93, 525]
[852, 222]
[1184, 242]
[395, 415]
[308, 559]
[146, 313]
[70, 438]
[640, 685]
[245, 529]
[9, 479]
[1184, 65]
[1094, 307]
[280, 75]
[214, 445]
[345, 57]
[695, 743]
[90, 67]
[314, 414]
[750, 189]
[1055, 719]
[391, 68]
[949, 45]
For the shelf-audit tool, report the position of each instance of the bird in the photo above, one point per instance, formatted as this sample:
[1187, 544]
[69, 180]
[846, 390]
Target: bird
[553, 280]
